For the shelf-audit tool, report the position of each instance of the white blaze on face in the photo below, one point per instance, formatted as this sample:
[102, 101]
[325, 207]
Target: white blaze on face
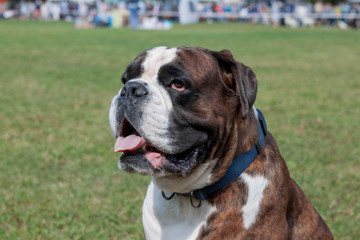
[155, 119]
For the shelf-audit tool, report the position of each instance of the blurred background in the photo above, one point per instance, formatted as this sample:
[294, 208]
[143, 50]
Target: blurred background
[160, 14]
[61, 64]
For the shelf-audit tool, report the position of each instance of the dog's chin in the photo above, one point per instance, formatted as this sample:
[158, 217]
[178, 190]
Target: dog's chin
[182, 163]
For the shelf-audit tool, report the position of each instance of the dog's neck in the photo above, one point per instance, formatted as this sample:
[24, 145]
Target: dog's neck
[241, 138]
[197, 179]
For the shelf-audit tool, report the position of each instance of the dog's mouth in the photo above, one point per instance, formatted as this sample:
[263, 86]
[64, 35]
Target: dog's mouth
[136, 148]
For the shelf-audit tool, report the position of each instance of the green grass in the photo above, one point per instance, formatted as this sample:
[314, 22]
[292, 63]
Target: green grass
[58, 174]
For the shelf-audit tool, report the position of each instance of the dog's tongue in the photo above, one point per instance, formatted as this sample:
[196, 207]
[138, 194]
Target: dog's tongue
[129, 143]
[134, 142]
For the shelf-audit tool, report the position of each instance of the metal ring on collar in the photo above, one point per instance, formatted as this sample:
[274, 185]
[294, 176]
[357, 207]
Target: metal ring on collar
[192, 202]
[165, 197]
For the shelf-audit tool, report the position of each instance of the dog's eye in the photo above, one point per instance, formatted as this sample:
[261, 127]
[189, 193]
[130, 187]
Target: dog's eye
[178, 85]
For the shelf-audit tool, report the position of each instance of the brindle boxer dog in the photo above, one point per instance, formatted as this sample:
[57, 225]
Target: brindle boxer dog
[186, 117]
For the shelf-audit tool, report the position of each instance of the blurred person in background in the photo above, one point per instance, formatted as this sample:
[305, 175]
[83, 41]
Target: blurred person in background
[275, 13]
[45, 10]
[27, 9]
[32, 9]
[355, 10]
[344, 7]
[329, 11]
[300, 13]
[218, 8]
[318, 7]
[64, 10]
[142, 10]
[83, 10]
[156, 8]
[55, 11]
[134, 13]
[3, 7]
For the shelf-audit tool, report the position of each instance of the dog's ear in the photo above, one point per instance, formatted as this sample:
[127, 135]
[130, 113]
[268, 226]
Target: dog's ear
[239, 78]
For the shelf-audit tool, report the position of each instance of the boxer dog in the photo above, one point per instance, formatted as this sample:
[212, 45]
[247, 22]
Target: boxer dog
[186, 117]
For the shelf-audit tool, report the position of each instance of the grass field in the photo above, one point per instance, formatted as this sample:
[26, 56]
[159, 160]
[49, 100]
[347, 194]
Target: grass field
[58, 174]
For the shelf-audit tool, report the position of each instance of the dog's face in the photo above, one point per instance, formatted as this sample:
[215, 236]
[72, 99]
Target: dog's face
[176, 108]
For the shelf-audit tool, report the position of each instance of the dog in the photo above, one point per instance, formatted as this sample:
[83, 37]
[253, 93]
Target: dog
[186, 116]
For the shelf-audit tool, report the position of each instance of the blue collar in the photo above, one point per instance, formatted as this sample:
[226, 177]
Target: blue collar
[238, 165]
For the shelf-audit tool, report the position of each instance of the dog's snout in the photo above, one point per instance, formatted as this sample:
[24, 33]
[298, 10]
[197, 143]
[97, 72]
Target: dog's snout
[134, 89]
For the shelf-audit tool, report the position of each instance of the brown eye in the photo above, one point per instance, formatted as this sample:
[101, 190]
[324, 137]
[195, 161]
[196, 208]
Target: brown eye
[178, 86]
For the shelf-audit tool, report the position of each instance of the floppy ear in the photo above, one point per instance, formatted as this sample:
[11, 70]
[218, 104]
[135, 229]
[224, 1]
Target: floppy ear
[238, 77]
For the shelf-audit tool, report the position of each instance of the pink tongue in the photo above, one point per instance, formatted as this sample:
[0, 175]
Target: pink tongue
[129, 143]
[154, 158]
[134, 142]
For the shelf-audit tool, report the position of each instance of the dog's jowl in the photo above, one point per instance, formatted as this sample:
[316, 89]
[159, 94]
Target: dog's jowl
[186, 117]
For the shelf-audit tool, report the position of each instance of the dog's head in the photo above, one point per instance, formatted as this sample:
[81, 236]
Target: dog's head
[180, 108]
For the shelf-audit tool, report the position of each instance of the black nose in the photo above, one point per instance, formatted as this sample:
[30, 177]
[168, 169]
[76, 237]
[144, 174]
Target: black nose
[134, 89]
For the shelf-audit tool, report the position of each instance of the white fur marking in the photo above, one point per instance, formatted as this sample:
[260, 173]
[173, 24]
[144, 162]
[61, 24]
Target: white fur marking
[155, 59]
[155, 120]
[175, 219]
[112, 115]
[255, 111]
[256, 186]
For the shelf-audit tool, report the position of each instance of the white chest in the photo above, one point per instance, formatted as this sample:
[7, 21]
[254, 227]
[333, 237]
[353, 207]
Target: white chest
[172, 219]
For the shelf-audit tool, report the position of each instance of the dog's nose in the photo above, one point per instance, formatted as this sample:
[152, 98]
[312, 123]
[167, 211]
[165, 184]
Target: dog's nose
[135, 89]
